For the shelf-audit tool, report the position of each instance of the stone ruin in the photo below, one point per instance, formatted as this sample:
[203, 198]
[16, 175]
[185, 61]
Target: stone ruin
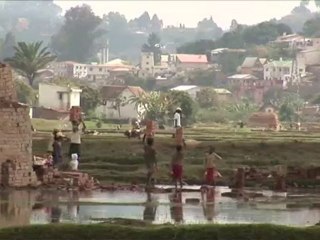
[15, 136]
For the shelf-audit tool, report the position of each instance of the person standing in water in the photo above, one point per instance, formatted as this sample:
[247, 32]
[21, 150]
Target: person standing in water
[210, 167]
[150, 160]
[177, 166]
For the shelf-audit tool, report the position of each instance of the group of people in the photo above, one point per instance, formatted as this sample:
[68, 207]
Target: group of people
[177, 160]
[55, 145]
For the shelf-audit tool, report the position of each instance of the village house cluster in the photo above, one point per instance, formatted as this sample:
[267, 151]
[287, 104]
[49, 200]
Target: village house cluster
[254, 77]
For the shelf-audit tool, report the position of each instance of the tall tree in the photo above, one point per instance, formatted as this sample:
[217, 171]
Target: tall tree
[29, 58]
[76, 39]
[153, 46]
[8, 46]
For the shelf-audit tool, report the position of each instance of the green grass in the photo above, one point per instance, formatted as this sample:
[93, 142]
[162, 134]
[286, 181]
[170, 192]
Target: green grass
[164, 232]
[114, 158]
[49, 125]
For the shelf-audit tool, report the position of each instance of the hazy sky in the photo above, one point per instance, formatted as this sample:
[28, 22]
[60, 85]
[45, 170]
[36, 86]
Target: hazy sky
[190, 12]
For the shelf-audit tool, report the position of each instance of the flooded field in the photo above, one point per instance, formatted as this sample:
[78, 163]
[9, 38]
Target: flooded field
[43, 207]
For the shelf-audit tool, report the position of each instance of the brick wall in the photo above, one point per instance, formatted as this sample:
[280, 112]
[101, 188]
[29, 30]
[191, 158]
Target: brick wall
[7, 88]
[15, 136]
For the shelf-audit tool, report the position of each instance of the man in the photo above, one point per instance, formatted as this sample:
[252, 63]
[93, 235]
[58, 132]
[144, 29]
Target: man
[210, 167]
[75, 139]
[150, 160]
[177, 166]
[57, 149]
[177, 118]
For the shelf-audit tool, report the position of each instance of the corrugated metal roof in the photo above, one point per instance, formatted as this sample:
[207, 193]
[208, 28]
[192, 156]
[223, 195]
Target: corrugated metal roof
[192, 58]
[221, 91]
[243, 76]
[249, 62]
[183, 88]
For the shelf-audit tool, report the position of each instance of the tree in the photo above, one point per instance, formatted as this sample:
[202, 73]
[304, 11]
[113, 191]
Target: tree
[155, 105]
[241, 110]
[198, 47]
[89, 100]
[287, 113]
[25, 93]
[76, 39]
[184, 101]
[29, 58]
[153, 46]
[311, 28]
[8, 46]
[207, 98]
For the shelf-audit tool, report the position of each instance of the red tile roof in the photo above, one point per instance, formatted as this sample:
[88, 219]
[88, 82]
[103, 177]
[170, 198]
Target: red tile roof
[192, 58]
[113, 91]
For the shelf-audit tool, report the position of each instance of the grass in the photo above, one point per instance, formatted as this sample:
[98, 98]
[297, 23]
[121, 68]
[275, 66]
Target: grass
[164, 232]
[49, 125]
[114, 158]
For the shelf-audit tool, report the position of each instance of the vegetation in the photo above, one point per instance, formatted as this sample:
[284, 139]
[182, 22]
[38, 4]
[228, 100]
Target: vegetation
[25, 93]
[153, 46]
[29, 58]
[190, 232]
[90, 98]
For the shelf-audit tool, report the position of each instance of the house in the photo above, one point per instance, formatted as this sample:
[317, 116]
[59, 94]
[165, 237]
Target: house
[97, 72]
[288, 40]
[191, 89]
[223, 95]
[278, 70]
[185, 62]
[253, 66]
[69, 69]
[307, 58]
[116, 104]
[149, 69]
[58, 97]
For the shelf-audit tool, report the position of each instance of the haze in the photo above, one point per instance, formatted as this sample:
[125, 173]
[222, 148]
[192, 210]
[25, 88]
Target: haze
[190, 12]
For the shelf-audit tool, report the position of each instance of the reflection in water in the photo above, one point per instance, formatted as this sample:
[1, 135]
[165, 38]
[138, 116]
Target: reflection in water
[19, 208]
[207, 197]
[176, 208]
[150, 210]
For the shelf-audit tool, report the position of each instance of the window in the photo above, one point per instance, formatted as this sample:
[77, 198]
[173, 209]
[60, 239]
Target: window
[80, 67]
[90, 69]
[267, 69]
[60, 96]
[147, 63]
[100, 69]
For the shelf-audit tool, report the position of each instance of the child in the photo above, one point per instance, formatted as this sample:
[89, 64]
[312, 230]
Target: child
[57, 149]
[74, 162]
[210, 168]
[75, 138]
[150, 160]
[177, 166]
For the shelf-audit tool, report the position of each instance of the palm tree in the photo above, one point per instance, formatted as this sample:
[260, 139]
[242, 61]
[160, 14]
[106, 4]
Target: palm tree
[29, 58]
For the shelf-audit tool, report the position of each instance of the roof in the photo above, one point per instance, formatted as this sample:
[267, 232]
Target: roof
[183, 88]
[249, 62]
[192, 58]
[243, 76]
[119, 69]
[113, 91]
[221, 91]
[229, 50]
[281, 63]
[263, 60]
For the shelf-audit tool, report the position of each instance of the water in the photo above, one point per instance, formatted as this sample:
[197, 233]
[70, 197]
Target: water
[19, 208]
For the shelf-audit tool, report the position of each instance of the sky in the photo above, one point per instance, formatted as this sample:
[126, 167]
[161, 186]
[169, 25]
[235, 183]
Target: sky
[191, 12]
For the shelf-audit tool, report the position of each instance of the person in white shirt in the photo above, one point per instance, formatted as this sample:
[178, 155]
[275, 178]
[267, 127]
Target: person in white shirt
[75, 139]
[74, 162]
[177, 118]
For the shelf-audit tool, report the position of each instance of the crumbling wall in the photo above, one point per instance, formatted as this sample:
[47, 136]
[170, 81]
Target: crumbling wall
[15, 135]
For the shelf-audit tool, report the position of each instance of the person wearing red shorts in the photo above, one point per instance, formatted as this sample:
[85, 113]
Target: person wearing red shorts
[210, 168]
[177, 166]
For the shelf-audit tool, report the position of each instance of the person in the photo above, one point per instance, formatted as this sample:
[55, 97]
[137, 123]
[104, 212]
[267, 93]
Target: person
[176, 206]
[75, 139]
[150, 160]
[208, 203]
[210, 167]
[74, 162]
[57, 149]
[150, 210]
[50, 146]
[177, 118]
[177, 166]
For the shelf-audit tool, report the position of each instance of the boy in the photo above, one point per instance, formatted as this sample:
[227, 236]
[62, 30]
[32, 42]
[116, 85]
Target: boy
[75, 139]
[210, 168]
[177, 166]
[150, 160]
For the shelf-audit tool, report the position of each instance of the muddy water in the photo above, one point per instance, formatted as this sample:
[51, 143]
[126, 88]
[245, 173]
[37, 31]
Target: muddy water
[43, 207]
